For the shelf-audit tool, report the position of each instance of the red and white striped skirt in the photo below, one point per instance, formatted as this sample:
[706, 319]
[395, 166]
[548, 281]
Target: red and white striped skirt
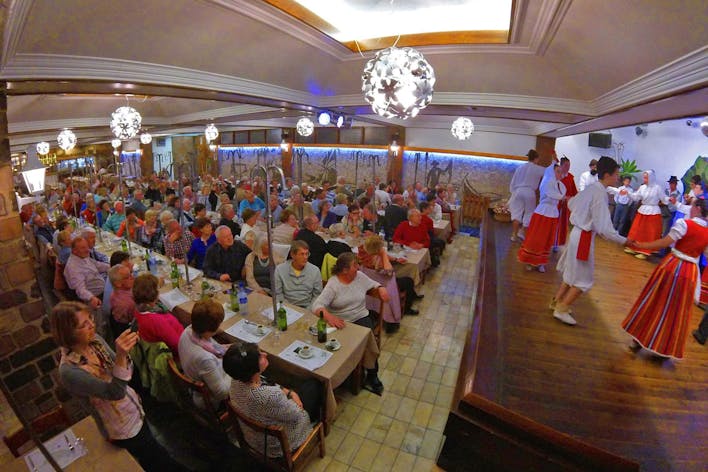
[660, 317]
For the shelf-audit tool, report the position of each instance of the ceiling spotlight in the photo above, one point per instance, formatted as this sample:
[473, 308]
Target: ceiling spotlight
[211, 132]
[115, 142]
[324, 118]
[305, 126]
[462, 128]
[146, 138]
[66, 140]
[42, 148]
[125, 122]
[340, 121]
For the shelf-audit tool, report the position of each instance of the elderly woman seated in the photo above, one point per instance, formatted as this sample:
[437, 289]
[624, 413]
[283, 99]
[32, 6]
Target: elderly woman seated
[372, 255]
[256, 265]
[353, 222]
[344, 299]
[337, 243]
[200, 355]
[269, 404]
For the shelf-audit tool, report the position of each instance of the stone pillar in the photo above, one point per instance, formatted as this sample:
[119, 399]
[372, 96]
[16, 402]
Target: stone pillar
[28, 354]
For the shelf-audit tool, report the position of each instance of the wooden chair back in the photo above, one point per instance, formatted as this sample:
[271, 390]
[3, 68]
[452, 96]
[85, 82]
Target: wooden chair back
[291, 460]
[378, 322]
[211, 415]
[474, 208]
[45, 427]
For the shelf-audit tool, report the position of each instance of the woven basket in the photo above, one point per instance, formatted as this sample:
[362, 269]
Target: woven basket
[503, 217]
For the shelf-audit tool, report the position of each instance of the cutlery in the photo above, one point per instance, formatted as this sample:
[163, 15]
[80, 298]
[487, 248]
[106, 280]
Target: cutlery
[68, 443]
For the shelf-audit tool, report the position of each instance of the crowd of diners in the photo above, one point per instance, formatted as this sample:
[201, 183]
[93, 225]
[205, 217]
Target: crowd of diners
[217, 226]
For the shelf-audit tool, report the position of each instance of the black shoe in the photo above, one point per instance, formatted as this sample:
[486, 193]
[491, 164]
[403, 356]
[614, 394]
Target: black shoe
[699, 337]
[391, 327]
[373, 384]
[411, 311]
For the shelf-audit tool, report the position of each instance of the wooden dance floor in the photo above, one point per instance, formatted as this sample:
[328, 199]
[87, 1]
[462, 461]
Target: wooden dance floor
[583, 380]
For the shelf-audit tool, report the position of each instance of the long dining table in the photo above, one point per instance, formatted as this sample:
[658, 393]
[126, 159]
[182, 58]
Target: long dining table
[358, 344]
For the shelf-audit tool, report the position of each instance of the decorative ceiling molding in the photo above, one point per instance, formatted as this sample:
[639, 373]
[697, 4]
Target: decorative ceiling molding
[56, 67]
[14, 26]
[547, 23]
[265, 13]
[684, 73]
[517, 21]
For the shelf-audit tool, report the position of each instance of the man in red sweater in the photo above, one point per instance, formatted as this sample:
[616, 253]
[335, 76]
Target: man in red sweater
[437, 245]
[412, 233]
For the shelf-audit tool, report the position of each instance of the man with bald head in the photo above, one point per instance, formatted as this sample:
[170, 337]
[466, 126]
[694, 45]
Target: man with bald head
[225, 259]
[317, 245]
[84, 275]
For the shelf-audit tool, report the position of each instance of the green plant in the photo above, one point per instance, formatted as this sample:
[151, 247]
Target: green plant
[628, 167]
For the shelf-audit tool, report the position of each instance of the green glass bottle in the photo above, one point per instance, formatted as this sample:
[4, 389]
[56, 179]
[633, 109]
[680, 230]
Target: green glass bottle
[233, 298]
[205, 290]
[282, 318]
[124, 245]
[321, 329]
[174, 275]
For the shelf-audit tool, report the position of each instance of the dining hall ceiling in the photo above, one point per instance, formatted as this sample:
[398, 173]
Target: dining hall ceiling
[568, 66]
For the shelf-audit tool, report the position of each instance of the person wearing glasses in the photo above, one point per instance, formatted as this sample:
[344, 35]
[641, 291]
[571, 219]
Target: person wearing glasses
[270, 404]
[92, 371]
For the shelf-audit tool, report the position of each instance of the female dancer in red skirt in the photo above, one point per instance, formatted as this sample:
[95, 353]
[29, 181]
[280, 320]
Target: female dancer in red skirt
[647, 223]
[659, 319]
[536, 248]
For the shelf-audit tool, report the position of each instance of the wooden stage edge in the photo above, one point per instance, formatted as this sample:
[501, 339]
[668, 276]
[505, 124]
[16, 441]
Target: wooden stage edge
[535, 394]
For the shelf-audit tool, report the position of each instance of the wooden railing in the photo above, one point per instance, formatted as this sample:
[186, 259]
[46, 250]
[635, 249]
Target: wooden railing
[482, 435]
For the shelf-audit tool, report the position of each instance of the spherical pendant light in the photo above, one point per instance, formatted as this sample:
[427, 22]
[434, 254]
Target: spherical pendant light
[66, 140]
[115, 142]
[398, 82]
[146, 138]
[211, 132]
[462, 128]
[125, 122]
[305, 126]
[42, 148]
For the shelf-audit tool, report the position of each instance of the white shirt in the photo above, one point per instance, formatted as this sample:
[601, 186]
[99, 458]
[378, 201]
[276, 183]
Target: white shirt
[650, 195]
[382, 198]
[526, 176]
[621, 199]
[552, 191]
[436, 215]
[589, 212]
[586, 178]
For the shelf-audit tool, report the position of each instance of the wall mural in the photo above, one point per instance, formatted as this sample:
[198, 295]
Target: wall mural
[318, 164]
[485, 176]
[236, 163]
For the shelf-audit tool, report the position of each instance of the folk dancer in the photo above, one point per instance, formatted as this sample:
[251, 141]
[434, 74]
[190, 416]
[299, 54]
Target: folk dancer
[589, 216]
[571, 190]
[523, 194]
[659, 319]
[647, 222]
[536, 248]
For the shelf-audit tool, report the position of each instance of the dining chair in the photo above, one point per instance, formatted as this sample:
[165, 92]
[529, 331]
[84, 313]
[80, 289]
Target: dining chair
[292, 460]
[215, 418]
[45, 427]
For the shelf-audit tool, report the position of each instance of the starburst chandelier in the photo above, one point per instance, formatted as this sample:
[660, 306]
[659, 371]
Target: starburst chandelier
[462, 128]
[125, 122]
[66, 140]
[43, 148]
[398, 82]
[211, 132]
[305, 126]
[146, 138]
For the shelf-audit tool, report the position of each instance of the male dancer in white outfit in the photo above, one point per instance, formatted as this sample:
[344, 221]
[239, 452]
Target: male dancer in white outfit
[523, 188]
[588, 177]
[589, 215]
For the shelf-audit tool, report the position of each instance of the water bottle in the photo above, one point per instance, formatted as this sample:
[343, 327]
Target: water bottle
[153, 264]
[382, 234]
[242, 300]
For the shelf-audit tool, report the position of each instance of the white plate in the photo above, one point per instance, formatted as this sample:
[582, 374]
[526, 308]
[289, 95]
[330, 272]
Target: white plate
[305, 356]
[333, 347]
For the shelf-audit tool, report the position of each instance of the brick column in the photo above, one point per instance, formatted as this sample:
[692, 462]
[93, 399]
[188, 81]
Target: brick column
[28, 355]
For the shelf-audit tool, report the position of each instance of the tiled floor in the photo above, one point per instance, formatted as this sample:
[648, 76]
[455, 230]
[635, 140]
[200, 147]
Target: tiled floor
[402, 429]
